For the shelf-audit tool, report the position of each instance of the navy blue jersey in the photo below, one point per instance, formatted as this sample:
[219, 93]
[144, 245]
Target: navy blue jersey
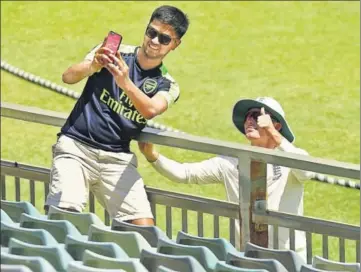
[104, 117]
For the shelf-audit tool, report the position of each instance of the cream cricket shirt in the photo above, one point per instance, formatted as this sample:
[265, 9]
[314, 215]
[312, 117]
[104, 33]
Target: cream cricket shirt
[285, 188]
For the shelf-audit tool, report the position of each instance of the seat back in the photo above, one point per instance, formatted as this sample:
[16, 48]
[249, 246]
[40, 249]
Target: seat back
[309, 268]
[37, 264]
[79, 267]
[15, 208]
[270, 265]
[150, 233]
[290, 260]
[132, 242]
[325, 264]
[164, 269]
[37, 237]
[5, 217]
[81, 221]
[202, 254]
[76, 248]
[56, 254]
[59, 229]
[14, 268]
[152, 260]
[219, 246]
[93, 259]
[223, 267]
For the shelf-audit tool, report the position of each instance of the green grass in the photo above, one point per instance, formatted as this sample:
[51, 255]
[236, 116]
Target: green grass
[304, 54]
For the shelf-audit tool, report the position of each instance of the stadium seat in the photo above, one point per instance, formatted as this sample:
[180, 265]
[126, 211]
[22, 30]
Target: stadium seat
[164, 269]
[81, 221]
[152, 260]
[202, 254]
[79, 267]
[14, 268]
[56, 255]
[99, 261]
[5, 217]
[132, 242]
[37, 237]
[223, 267]
[15, 208]
[76, 248]
[150, 233]
[325, 264]
[59, 229]
[36, 264]
[219, 246]
[290, 260]
[309, 268]
[252, 263]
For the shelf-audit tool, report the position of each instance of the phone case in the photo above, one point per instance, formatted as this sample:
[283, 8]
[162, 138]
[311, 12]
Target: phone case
[113, 41]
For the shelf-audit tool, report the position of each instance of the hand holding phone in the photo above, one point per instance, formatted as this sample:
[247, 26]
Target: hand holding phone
[113, 41]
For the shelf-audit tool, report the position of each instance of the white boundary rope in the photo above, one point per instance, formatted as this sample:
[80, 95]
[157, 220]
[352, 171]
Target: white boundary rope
[70, 93]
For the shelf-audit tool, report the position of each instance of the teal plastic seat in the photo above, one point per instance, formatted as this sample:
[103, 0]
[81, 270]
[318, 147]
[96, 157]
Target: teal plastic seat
[14, 268]
[5, 217]
[290, 259]
[37, 237]
[151, 233]
[81, 221]
[165, 269]
[219, 246]
[223, 267]
[152, 260]
[59, 229]
[132, 242]
[99, 261]
[202, 254]
[309, 268]
[76, 248]
[36, 264]
[56, 255]
[270, 265]
[79, 267]
[325, 264]
[15, 208]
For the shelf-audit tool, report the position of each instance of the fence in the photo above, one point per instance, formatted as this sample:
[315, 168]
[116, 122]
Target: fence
[259, 214]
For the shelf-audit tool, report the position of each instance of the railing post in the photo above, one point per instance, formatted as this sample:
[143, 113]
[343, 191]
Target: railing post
[252, 188]
[244, 191]
[258, 231]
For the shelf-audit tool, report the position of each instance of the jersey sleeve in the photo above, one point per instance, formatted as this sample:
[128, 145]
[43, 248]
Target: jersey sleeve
[91, 53]
[169, 89]
[123, 48]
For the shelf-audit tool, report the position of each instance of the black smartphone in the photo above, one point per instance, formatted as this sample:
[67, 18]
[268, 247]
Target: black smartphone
[113, 41]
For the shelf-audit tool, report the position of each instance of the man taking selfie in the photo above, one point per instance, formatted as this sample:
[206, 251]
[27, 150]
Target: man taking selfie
[123, 90]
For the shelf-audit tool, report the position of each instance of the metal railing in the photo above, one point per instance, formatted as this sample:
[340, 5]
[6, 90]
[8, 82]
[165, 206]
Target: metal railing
[204, 205]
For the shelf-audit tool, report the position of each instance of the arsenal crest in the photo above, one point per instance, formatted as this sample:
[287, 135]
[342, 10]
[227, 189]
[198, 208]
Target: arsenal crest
[149, 86]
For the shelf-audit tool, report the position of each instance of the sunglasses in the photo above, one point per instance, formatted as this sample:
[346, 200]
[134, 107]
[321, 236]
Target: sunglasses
[162, 38]
[255, 113]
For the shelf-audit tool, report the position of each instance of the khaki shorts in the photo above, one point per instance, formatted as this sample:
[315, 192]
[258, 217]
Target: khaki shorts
[112, 177]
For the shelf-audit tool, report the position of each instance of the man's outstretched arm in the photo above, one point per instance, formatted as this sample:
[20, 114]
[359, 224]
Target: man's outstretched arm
[204, 172]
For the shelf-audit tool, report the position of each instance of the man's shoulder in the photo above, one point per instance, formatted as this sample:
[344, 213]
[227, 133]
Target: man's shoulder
[127, 49]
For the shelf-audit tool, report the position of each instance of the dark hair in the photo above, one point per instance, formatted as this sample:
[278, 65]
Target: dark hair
[172, 16]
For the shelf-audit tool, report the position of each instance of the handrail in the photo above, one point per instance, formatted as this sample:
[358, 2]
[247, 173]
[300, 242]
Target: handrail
[202, 144]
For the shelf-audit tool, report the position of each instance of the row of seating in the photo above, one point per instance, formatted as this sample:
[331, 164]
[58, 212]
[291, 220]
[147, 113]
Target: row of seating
[65, 239]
